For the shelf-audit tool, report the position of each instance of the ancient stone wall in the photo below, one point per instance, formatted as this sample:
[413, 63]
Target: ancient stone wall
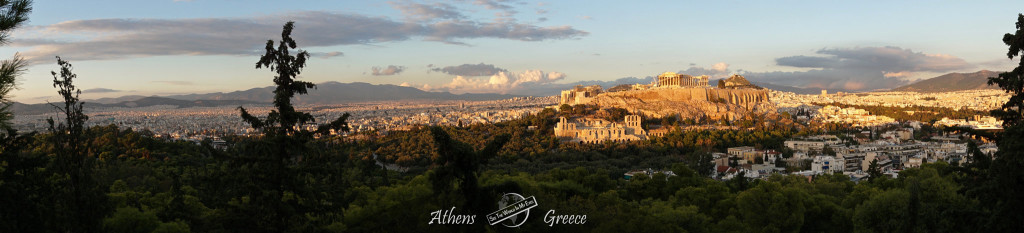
[686, 103]
[732, 96]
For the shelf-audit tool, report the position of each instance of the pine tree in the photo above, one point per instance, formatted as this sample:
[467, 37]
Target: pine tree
[12, 15]
[275, 192]
[874, 171]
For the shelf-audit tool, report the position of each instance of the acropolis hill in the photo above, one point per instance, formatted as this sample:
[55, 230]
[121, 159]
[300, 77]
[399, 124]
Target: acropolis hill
[681, 95]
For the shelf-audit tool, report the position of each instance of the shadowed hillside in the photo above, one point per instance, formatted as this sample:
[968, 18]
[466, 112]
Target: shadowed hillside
[952, 82]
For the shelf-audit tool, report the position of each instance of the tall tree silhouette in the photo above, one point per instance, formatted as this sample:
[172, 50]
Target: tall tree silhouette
[1012, 82]
[274, 194]
[285, 120]
[81, 204]
[1006, 187]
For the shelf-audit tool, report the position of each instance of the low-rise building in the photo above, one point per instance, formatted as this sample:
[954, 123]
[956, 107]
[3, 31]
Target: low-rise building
[813, 144]
[827, 164]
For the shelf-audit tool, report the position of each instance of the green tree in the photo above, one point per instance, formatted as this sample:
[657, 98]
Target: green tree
[702, 162]
[771, 207]
[828, 151]
[1006, 187]
[565, 108]
[874, 171]
[130, 220]
[21, 182]
[885, 212]
[1012, 82]
[172, 227]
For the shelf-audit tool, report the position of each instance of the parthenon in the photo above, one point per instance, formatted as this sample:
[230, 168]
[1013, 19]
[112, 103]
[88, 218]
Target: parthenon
[671, 79]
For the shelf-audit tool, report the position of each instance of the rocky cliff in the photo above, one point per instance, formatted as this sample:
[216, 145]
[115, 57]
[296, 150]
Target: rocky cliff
[693, 103]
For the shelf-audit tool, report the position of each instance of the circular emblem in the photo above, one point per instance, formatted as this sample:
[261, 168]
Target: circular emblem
[515, 220]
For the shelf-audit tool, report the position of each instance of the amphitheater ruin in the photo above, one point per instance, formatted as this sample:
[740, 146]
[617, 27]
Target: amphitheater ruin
[588, 130]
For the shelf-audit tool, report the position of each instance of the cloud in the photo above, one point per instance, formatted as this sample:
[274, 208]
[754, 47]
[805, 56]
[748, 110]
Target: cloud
[605, 84]
[718, 70]
[904, 74]
[423, 12]
[502, 82]
[99, 39]
[721, 67]
[859, 69]
[180, 83]
[470, 70]
[389, 70]
[100, 90]
[883, 59]
[999, 64]
[327, 54]
[497, 5]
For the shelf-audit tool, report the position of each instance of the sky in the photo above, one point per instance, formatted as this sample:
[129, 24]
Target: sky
[168, 47]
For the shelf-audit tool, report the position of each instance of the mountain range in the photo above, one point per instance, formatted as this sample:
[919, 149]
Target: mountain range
[952, 82]
[325, 93]
[339, 93]
[35, 109]
[942, 83]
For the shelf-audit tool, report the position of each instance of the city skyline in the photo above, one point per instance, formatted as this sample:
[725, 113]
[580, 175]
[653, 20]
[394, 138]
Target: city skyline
[181, 47]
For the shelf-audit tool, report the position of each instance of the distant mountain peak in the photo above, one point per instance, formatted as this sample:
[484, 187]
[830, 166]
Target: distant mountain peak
[952, 82]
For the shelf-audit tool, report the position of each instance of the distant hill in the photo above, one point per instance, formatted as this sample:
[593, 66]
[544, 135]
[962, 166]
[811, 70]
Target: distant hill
[738, 81]
[114, 100]
[325, 93]
[35, 109]
[339, 93]
[952, 82]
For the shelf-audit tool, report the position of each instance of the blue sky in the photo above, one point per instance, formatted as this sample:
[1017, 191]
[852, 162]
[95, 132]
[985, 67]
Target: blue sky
[519, 47]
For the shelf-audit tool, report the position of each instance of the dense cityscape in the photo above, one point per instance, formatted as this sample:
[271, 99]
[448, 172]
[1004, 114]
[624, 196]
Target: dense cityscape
[198, 123]
[895, 146]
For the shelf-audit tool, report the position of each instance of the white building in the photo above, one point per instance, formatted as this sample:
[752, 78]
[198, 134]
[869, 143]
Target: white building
[827, 164]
